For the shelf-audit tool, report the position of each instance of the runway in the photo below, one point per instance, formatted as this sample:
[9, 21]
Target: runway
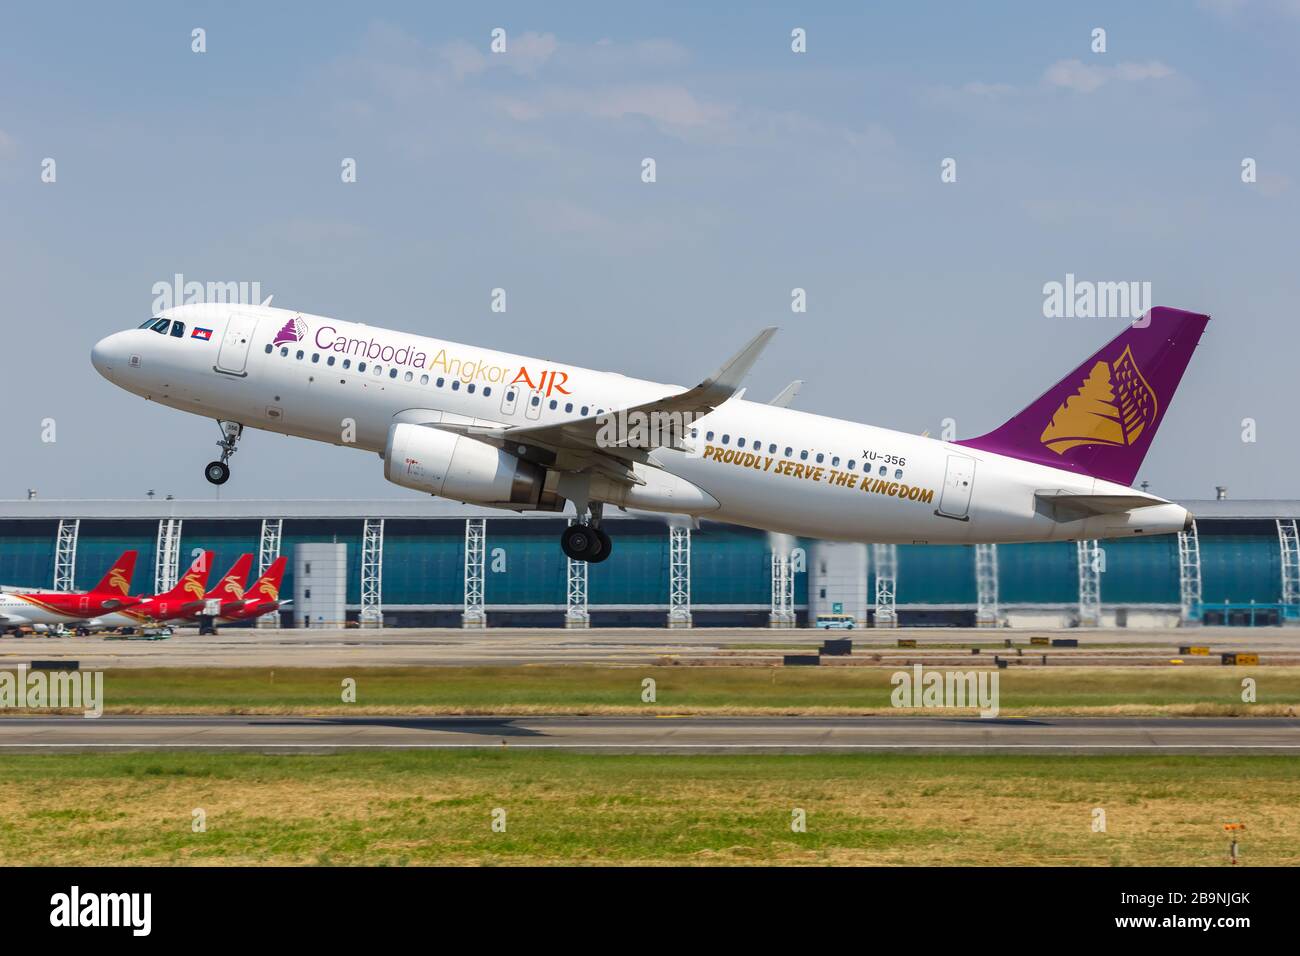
[657, 734]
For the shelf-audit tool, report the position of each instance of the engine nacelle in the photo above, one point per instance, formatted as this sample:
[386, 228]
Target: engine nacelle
[452, 466]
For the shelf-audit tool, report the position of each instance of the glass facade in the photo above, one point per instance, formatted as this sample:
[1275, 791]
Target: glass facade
[424, 562]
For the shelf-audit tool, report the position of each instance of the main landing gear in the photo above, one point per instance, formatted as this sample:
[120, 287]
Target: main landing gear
[218, 472]
[587, 540]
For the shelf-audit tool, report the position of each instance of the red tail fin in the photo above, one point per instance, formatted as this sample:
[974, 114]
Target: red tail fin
[267, 587]
[118, 579]
[194, 581]
[230, 586]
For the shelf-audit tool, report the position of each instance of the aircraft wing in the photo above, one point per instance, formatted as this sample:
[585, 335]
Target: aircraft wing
[580, 441]
[1064, 506]
[787, 395]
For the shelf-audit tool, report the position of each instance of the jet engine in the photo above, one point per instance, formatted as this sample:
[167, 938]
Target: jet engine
[443, 463]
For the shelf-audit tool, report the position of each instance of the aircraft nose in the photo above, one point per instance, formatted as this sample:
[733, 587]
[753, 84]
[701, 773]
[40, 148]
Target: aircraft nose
[107, 354]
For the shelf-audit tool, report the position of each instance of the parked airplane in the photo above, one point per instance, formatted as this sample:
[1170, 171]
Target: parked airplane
[44, 609]
[508, 431]
[172, 605]
[228, 592]
[262, 597]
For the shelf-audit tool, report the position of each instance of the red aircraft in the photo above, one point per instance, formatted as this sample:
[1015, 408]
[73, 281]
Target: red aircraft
[171, 605]
[263, 597]
[42, 609]
[228, 591]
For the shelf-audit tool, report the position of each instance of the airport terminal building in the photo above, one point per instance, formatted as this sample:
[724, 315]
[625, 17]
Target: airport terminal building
[429, 562]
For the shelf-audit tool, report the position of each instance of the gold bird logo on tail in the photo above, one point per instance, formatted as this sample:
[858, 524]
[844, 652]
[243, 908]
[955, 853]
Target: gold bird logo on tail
[231, 585]
[193, 585]
[269, 590]
[117, 579]
[1113, 406]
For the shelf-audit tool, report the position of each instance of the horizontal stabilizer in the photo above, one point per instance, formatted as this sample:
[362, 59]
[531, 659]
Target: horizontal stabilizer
[1063, 506]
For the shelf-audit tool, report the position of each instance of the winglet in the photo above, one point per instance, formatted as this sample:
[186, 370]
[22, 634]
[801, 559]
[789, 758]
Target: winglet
[787, 395]
[723, 383]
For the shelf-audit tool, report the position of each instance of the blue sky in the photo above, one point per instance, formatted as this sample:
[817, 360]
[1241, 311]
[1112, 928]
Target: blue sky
[775, 170]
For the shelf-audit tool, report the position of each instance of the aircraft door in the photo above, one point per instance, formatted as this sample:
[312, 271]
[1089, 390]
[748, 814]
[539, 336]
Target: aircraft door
[958, 483]
[233, 357]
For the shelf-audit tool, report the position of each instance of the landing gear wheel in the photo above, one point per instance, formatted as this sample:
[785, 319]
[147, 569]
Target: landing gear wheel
[577, 540]
[218, 472]
[606, 547]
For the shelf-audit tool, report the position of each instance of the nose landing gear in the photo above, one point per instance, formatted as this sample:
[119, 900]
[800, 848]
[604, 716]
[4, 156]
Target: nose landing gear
[587, 541]
[218, 472]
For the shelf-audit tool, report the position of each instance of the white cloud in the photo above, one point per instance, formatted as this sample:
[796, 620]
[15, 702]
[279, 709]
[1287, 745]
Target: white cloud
[1087, 78]
[669, 106]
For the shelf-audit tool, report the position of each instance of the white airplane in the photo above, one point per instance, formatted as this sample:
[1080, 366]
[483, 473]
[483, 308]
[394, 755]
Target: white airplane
[509, 431]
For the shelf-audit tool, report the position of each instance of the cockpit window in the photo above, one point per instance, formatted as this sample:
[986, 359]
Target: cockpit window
[178, 330]
[146, 323]
[161, 326]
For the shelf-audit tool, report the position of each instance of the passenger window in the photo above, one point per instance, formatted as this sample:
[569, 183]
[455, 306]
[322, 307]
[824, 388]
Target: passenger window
[835, 462]
[347, 363]
[820, 458]
[470, 388]
[803, 455]
[178, 330]
[883, 471]
[269, 347]
[455, 385]
[788, 451]
[392, 373]
[424, 380]
[536, 401]
[487, 391]
[898, 473]
[583, 411]
[708, 436]
[361, 366]
[726, 439]
[301, 353]
[740, 443]
[315, 358]
[568, 407]
[376, 370]
[284, 351]
[408, 376]
[554, 404]
[440, 382]
[330, 360]
[771, 449]
[851, 464]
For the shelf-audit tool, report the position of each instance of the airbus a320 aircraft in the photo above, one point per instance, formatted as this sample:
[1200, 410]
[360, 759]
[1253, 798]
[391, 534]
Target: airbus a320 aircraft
[509, 431]
[262, 597]
[171, 605]
[43, 609]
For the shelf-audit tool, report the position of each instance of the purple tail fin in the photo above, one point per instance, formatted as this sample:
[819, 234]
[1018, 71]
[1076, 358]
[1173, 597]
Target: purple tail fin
[1100, 419]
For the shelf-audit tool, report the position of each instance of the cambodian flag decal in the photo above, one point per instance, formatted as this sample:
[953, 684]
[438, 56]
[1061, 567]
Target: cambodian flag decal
[204, 334]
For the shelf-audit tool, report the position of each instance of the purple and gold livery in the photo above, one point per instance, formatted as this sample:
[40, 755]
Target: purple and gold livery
[1100, 419]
